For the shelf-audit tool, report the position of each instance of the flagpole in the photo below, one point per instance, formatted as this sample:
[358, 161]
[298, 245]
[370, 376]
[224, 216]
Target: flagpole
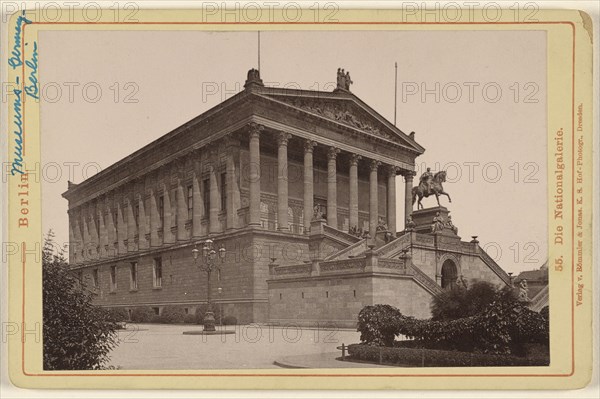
[259, 50]
[395, 92]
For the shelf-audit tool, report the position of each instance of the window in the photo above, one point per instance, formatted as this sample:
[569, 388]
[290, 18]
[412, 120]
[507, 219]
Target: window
[133, 277]
[156, 311]
[206, 195]
[136, 214]
[95, 278]
[157, 272]
[161, 210]
[113, 278]
[223, 191]
[190, 201]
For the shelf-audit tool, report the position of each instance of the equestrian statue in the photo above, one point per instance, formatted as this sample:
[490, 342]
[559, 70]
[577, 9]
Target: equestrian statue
[430, 184]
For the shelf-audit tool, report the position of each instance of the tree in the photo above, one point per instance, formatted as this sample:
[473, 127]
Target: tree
[77, 334]
[462, 302]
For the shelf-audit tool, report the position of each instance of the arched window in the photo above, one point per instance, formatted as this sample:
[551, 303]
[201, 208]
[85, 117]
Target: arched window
[449, 274]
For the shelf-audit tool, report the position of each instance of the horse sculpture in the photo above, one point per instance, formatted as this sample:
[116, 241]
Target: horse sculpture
[436, 189]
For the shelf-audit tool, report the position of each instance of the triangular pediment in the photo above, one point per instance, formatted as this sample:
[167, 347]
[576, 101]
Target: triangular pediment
[345, 109]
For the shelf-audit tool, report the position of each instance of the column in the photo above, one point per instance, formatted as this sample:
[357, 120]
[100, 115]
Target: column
[391, 199]
[354, 190]
[233, 200]
[93, 233]
[332, 187]
[85, 235]
[103, 239]
[121, 230]
[71, 237]
[167, 214]
[373, 200]
[131, 226]
[110, 229]
[142, 230]
[408, 186]
[254, 174]
[282, 181]
[182, 215]
[198, 207]
[154, 221]
[214, 197]
[78, 250]
[308, 184]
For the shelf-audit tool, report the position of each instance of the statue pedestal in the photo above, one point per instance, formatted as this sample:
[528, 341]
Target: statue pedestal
[423, 219]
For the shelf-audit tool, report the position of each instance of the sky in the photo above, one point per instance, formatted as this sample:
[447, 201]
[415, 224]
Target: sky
[476, 100]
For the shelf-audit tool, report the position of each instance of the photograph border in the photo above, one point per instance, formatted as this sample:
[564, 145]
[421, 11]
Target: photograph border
[579, 368]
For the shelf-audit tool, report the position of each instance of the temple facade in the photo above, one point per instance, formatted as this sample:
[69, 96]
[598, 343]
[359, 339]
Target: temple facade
[289, 182]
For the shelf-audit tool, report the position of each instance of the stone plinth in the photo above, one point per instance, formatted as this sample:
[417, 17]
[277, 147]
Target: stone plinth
[423, 219]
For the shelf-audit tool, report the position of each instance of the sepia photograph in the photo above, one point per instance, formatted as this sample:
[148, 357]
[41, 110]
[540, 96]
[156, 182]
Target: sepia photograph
[294, 199]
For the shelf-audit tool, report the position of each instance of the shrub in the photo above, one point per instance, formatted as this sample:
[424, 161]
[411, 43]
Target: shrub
[77, 334]
[460, 302]
[437, 358]
[230, 321]
[172, 315]
[378, 324]
[503, 327]
[545, 312]
[190, 319]
[142, 314]
[118, 315]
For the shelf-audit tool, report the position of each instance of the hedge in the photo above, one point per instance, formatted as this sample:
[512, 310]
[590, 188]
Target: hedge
[118, 315]
[230, 321]
[172, 315]
[176, 315]
[421, 357]
[502, 328]
[143, 314]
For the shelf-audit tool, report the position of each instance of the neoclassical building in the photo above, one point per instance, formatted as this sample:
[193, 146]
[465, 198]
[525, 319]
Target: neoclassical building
[289, 182]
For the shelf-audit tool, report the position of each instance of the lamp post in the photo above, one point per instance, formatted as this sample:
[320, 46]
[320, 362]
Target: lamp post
[211, 260]
[220, 292]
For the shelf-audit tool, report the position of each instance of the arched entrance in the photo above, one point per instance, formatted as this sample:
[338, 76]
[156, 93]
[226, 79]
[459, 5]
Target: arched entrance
[449, 274]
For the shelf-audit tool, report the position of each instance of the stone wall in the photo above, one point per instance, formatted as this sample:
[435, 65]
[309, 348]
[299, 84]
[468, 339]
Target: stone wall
[339, 299]
[243, 275]
[473, 268]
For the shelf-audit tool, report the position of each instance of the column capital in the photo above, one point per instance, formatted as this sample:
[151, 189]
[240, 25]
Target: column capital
[255, 129]
[374, 164]
[408, 175]
[309, 146]
[354, 158]
[332, 153]
[283, 138]
[392, 170]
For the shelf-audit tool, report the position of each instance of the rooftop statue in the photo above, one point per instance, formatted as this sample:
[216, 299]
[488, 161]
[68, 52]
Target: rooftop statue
[430, 184]
[343, 79]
